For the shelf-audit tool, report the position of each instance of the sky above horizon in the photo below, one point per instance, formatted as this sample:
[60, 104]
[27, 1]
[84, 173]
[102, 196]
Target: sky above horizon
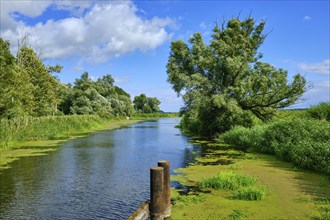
[131, 39]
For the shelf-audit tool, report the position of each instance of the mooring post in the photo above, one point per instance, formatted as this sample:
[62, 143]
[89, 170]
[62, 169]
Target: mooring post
[157, 199]
[167, 186]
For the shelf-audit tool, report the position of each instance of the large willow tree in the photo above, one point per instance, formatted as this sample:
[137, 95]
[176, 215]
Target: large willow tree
[224, 84]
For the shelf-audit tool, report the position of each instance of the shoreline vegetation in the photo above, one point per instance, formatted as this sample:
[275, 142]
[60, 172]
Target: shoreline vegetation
[33, 136]
[226, 183]
[285, 161]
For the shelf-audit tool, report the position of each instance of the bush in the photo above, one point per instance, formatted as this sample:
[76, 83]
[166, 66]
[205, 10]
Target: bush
[305, 142]
[321, 111]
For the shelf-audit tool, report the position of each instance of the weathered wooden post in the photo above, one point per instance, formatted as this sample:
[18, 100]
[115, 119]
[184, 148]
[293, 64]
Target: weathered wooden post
[167, 186]
[157, 199]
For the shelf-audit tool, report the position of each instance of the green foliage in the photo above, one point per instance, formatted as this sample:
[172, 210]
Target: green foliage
[45, 128]
[250, 193]
[224, 83]
[101, 97]
[320, 111]
[16, 99]
[45, 87]
[228, 180]
[27, 88]
[145, 104]
[305, 142]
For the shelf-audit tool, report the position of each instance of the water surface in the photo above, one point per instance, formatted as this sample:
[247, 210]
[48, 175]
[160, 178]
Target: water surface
[102, 176]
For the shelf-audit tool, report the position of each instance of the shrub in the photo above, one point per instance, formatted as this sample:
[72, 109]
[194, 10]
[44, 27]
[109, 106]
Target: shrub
[321, 111]
[305, 142]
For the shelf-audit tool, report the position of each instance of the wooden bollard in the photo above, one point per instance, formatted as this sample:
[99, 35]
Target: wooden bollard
[157, 199]
[167, 186]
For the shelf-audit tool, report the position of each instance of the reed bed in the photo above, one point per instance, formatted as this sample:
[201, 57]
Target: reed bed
[45, 128]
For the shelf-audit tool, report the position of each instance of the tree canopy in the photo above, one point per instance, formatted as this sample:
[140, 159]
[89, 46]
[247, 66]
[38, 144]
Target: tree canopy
[146, 104]
[224, 84]
[28, 88]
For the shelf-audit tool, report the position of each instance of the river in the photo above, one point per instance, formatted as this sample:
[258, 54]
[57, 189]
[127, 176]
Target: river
[102, 176]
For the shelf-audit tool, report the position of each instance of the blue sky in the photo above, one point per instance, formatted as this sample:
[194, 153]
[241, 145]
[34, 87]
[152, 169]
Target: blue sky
[131, 39]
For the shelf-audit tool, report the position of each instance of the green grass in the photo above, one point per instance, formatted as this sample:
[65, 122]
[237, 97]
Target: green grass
[228, 180]
[153, 115]
[45, 128]
[250, 193]
[190, 199]
[244, 186]
[237, 214]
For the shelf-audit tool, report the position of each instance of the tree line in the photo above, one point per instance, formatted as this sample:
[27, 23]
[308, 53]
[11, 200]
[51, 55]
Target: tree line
[28, 88]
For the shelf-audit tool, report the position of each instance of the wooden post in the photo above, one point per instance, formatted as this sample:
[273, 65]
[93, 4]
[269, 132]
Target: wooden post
[167, 187]
[157, 199]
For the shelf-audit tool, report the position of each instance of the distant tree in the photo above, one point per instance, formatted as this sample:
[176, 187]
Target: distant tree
[154, 104]
[100, 97]
[140, 102]
[146, 104]
[224, 83]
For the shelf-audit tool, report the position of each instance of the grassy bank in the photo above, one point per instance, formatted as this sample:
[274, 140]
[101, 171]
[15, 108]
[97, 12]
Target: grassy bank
[229, 184]
[45, 128]
[154, 115]
[38, 136]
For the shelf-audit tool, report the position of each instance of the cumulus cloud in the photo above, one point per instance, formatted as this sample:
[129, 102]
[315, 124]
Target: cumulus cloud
[318, 68]
[104, 30]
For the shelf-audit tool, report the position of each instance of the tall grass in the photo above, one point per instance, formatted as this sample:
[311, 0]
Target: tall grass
[45, 128]
[250, 193]
[227, 180]
[244, 186]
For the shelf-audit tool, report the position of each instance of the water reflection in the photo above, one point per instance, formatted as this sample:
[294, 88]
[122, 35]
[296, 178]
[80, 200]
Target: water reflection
[105, 175]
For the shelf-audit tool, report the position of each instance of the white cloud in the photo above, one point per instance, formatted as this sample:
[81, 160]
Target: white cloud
[119, 80]
[105, 30]
[203, 26]
[318, 68]
[307, 18]
[320, 92]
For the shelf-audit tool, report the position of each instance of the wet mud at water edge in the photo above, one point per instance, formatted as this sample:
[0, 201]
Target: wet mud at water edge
[291, 193]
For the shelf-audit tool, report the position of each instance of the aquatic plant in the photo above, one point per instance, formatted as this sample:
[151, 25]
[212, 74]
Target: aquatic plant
[250, 193]
[228, 180]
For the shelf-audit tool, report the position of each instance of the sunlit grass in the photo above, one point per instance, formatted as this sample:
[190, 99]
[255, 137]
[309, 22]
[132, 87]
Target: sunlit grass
[250, 193]
[228, 180]
[244, 186]
[46, 128]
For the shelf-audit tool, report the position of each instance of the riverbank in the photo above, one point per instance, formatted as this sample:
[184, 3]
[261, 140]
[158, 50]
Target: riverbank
[14, 150]
[291, 193]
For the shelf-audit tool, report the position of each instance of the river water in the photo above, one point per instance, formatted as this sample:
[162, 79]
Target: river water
[102, 176]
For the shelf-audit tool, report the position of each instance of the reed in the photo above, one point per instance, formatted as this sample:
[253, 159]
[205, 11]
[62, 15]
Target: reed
[46, 128]
[228, 181]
